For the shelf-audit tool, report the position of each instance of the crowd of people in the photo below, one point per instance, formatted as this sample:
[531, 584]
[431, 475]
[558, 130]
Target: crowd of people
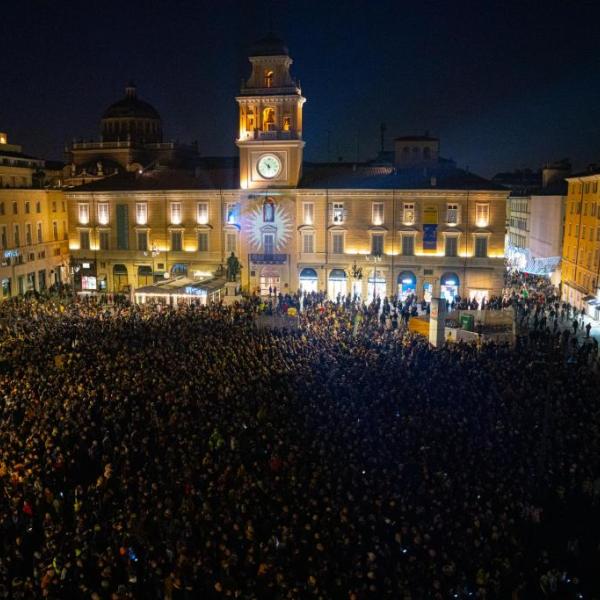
[182, 453]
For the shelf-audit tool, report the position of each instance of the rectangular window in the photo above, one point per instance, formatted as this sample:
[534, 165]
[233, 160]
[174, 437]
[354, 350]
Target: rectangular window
[230, 213]
[84, 213]
[27, 207]
[4, 237]
[452, 214]
[408, 245]
[176, 213]
[377, 213]
[482, 214]
[84, 240]
[451, 245]
[377, 244]
[65, 231]
[103, 213]
[337, 213]
[176, 241]
[572, 207]
[203, 241]
[55, 230]
[122, 227]
[15, 208]
[268, 243]
[231, 243]
[1, 208]
[481, 245]
[142, 241]
[408, 213]
[103, 240]
[309, 213]
[577, 231]
[202, 215]
[308, 243]
[585, 208]
[39, 233]
[16, 235]
[38, 207]
[141, 213]
[28, 238]
[338, 243]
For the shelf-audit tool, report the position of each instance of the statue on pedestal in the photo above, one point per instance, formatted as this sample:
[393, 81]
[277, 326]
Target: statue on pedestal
[233, 268]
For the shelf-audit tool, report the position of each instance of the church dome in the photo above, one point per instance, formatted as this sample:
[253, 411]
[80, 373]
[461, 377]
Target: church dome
[131, 107]
[132, 120]
[270, 45]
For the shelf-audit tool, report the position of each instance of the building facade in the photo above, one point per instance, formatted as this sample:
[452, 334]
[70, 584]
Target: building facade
[581, 248]
[535, 224]
[368, 229]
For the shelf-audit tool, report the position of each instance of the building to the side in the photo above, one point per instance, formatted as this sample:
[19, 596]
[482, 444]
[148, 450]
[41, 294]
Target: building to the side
[131, 139]
[396, 226]
[581, 248]
[34, 252]
[535, 224]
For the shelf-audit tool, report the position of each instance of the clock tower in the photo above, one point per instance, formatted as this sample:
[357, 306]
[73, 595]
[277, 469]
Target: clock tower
[270, 126]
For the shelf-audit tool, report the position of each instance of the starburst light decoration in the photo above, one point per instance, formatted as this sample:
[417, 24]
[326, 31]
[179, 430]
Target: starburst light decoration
[281, 226]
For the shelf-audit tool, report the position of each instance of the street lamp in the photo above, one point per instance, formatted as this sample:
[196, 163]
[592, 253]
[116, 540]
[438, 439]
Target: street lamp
[376, 257]
[154, 252]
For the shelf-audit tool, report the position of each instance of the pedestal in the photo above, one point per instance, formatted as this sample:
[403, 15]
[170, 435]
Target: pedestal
[232, 294]
[437, 322]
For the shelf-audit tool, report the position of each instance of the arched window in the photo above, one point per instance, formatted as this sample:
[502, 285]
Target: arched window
[287, 123]
[268, 211]
[268, 79]
[268, 119]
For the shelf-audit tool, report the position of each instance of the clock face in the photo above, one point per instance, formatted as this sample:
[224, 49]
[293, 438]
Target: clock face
[269, 166]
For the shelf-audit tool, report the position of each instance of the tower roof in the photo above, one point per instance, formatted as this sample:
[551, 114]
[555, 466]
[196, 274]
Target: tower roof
[269, 45]
[131, 107]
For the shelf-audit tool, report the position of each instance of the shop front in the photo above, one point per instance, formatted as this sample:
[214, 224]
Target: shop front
[338, 284]
[376, 286]
[309, 281]
[449, 286]
[407, 284]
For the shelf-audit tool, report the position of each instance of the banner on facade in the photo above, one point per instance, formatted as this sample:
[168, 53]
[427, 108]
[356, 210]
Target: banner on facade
[430, 225]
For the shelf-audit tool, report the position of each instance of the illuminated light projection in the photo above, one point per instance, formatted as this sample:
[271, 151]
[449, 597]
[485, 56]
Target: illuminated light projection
[281, 226]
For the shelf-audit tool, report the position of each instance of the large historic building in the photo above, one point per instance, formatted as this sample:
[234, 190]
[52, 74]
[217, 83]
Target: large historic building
[34, 250]
[400, 225]
[581, 248]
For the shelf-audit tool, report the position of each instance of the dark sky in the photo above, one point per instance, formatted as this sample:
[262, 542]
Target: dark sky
[504, 84]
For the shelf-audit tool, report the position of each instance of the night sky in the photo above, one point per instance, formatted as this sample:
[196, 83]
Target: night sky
[504, 84]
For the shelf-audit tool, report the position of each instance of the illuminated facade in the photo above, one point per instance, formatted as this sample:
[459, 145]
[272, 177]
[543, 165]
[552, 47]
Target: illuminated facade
[402, 224]
[581, 248]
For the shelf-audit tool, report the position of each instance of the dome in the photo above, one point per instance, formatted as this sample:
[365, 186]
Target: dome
[270, 45]
[131, 107]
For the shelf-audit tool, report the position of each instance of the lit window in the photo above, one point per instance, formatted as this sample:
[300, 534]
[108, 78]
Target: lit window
[452, 214]
[268, 79]
[84, 214]
[377, 213]
[337, 215]
[141, 213]
[482, 214]
[309, 213]
[408, 213]
[103, 213]
[202, 215]
[176, 213]
[268, 211]
[230, 214]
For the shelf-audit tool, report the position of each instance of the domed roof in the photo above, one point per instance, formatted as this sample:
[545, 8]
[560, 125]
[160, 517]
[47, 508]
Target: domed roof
[131, 107]
[270, 45]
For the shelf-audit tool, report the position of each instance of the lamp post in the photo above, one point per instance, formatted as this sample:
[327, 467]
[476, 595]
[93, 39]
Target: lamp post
[376, 258]
[154, 252]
